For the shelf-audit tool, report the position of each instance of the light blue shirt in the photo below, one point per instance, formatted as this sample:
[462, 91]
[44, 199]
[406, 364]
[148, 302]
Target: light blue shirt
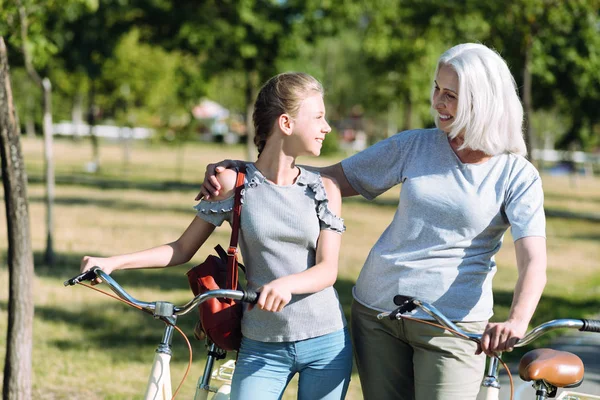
[449, 224]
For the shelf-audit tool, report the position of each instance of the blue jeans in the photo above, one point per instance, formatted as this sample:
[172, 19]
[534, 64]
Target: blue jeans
[264, 369]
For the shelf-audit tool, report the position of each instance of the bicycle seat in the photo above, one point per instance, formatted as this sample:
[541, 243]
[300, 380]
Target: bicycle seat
[558, 368]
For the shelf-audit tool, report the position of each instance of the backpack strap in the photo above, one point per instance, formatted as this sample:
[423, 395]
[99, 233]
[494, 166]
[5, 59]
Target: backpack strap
[232, 262]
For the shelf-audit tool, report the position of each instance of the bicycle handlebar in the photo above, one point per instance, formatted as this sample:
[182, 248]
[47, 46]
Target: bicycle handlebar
[407, 304]
[96, 272]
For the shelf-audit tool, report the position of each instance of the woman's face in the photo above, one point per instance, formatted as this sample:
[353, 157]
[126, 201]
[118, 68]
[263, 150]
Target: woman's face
[445, 97]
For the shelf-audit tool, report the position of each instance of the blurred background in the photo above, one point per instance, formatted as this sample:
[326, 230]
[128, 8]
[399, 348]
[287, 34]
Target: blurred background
[189, 70]
[122, 103]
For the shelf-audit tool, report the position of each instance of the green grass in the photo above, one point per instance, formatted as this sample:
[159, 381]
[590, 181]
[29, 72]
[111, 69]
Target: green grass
[87, 346]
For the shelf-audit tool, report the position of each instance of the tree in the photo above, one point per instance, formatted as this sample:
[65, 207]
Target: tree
[141, 85]
[46, 86]
[95, 28]
[552, 47]
[402, 41]
[247, 36]
[18, 362]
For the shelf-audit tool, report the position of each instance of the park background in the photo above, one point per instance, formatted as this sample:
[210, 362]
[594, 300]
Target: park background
[122, 67]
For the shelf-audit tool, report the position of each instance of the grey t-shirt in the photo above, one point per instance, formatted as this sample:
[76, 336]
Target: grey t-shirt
[280, 226]
[450, 221]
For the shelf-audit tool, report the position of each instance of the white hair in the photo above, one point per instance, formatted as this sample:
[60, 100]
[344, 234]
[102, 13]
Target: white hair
[489, 112]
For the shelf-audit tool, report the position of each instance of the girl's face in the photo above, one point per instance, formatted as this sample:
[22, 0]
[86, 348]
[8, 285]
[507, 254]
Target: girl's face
[310, 125]
[445, 97]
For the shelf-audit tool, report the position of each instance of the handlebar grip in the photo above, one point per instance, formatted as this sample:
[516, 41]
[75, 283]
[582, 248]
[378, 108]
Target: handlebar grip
[250, 297]
[590, 325]
[84, 276]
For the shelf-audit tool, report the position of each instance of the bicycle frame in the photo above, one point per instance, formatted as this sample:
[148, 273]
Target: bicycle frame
[159, 381]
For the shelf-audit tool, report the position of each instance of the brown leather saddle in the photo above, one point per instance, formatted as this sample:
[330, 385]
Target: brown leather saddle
[557, 368]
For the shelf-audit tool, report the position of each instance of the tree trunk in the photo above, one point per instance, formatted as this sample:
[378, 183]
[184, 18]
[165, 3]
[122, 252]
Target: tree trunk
[49, 258]
[29, 121]
[527, 103]
[92, 116]
[29, 126]
[18, 362]
[77, 114]
[251, 92]
[392, 118]
[47, 131]
[408, 112]
[126, 138]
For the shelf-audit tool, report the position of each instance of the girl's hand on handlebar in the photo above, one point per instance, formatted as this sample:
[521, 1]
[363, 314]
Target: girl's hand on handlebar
[273, 296]
[88, 262]
[500, 337]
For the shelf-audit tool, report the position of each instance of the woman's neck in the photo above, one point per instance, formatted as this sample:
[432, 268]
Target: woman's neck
[466, 155]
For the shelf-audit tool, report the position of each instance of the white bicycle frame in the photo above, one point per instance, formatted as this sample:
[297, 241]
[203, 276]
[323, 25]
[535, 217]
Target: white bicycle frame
[159, 381]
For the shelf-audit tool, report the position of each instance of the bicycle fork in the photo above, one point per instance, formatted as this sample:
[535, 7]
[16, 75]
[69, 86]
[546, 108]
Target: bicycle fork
[490, 386]
[159, 382]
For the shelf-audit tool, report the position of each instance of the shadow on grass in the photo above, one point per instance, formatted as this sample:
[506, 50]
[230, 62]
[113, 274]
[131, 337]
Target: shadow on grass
[124, 333]
[118, 204]
[165, 279]
[108, 183]
[570, 198]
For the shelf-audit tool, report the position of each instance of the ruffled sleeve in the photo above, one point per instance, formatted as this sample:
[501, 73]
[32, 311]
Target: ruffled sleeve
[327, 219]
[215, 212]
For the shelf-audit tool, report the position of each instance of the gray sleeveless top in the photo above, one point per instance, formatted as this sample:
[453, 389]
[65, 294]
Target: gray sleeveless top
[280, 226]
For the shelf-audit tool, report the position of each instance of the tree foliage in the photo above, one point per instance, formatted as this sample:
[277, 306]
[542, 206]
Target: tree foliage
[152, 58]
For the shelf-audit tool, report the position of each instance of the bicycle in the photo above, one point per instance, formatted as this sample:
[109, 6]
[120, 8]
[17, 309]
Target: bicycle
[159, 381]
[548, 369]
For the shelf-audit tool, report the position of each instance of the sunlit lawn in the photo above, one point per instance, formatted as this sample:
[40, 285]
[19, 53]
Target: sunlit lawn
[87, 346]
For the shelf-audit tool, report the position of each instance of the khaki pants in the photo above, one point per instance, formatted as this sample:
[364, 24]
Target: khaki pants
[407, 360]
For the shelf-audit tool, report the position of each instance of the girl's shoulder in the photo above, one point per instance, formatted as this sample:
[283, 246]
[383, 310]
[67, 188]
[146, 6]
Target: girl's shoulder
[331, 187]
[324, 188]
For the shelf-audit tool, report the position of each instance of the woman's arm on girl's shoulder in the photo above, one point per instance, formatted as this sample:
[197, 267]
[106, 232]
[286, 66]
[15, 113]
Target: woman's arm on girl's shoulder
[227, 180]
[211, 187]
[338, 176]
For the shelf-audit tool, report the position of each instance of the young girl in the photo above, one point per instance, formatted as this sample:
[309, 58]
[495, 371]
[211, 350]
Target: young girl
[290, 239]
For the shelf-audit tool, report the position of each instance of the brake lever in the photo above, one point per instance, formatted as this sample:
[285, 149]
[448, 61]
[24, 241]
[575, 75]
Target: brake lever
[406, 305]
[84, 276]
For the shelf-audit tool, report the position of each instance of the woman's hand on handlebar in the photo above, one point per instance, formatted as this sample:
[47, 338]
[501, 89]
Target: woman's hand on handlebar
[87, 262]
[500, 336]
